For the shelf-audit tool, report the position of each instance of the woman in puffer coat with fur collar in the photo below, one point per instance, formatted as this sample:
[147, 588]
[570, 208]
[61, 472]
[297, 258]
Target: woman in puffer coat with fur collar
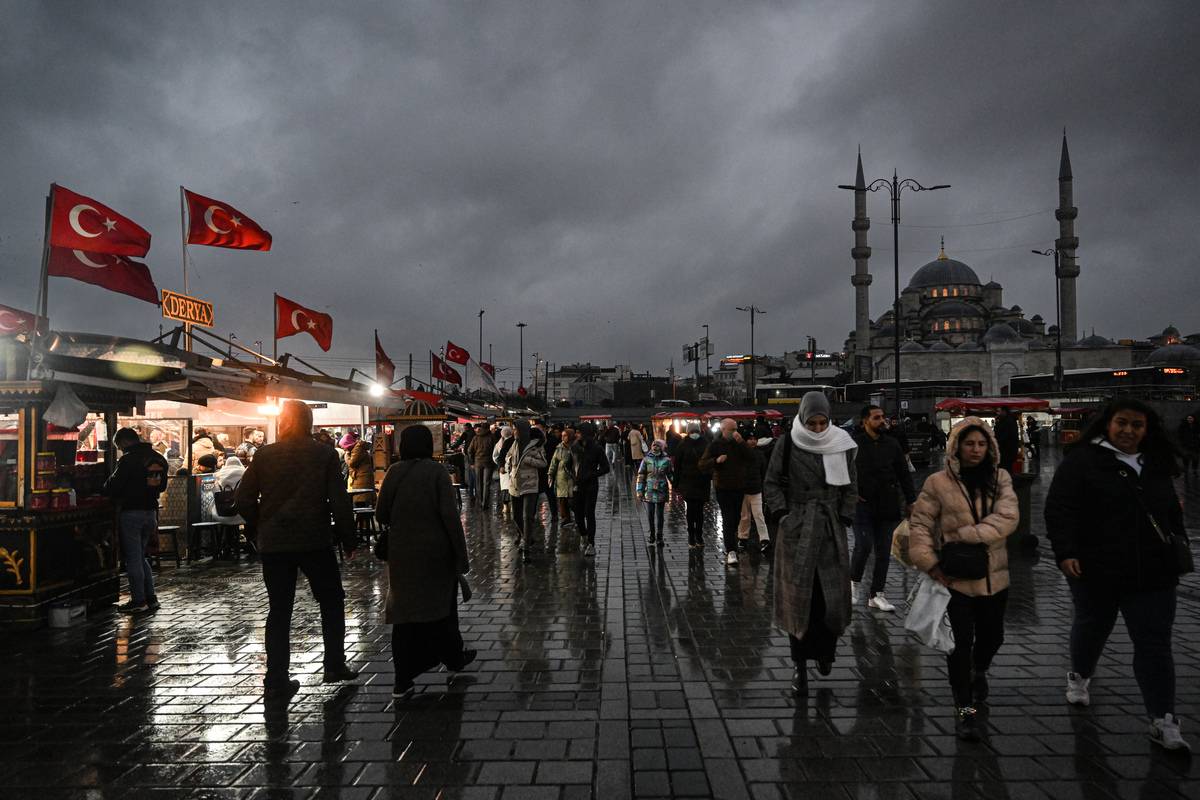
[970, 501]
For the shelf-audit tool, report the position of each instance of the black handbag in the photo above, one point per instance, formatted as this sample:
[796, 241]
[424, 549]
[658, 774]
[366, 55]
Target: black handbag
[964, 561]
[1179, 549]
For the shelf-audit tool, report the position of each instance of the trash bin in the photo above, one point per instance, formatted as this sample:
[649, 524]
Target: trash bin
[1023, 536]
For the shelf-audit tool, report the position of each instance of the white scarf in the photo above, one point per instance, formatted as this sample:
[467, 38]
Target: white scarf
[830, 444]
[1133, 460]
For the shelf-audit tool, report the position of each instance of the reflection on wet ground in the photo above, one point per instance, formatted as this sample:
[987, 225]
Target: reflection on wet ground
[639, 673]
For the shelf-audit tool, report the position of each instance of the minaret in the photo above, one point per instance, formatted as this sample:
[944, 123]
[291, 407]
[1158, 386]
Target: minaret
[1066, 244]
[861, 279]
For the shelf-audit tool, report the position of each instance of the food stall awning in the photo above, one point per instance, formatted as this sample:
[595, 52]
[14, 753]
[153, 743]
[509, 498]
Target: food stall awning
[742, 413]
[594, 417]
[677, 415]
[983, 405]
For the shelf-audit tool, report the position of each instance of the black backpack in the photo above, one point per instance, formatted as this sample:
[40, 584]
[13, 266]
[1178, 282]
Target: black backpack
[225, 501]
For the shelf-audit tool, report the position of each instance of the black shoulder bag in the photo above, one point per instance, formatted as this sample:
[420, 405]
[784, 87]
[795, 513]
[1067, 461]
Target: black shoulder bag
[966, 560]
[1179, 549]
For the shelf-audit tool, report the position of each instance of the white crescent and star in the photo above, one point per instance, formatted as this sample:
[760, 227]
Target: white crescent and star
[73, 218]
[296, 321]
[87, 262]
[212, 226]
[4, 326]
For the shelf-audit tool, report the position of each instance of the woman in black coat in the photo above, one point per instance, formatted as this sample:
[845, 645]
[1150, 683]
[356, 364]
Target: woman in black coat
[1110, 513]
[692, 482]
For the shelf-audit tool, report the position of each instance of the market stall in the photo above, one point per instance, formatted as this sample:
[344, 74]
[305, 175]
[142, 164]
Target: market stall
[677, 421]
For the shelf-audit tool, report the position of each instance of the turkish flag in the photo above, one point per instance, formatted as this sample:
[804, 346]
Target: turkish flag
[385, 370]
[80, 223]
[14, 321]
[444, 372]
[292, 318]
[218, 224]
[112, 272]
[456, 354]
[488, 368]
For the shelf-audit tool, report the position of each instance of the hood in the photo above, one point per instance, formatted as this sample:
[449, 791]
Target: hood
[957, 431]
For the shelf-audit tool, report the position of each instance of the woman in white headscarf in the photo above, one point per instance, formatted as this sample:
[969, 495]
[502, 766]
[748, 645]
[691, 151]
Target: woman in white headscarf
[227, 479]
[811, 491]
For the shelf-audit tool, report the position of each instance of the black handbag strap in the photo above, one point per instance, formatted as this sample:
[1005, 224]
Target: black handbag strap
[1137, 493]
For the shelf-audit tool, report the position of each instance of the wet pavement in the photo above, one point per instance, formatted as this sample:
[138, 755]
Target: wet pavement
[634, 674]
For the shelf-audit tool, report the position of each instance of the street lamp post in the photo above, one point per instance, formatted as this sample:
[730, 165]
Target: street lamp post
[1058, 367]
[753, 311]
[521, 369]
[894, 187]
[479, 352]
[707, 368]
[536, 363]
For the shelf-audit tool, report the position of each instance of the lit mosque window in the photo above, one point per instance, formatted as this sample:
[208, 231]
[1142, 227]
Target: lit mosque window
[933, 292]
[958, 324]
[945, 292]
[955, 292]
[946, 325]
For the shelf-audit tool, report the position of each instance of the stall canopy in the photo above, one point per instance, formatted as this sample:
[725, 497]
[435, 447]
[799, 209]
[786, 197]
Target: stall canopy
[983, 405]
[741, 413]
[595, 417]
[676, 415]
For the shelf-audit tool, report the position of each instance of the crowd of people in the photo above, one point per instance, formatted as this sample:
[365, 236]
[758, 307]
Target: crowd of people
[1112, 516]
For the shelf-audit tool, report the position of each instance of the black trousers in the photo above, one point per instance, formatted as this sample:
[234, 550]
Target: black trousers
[730, 501]
[586, 494]
[695, 520]
[819, 643]
[524, 510]
[325, 580]
[978, 625]
[1149, 618]
[420, 646]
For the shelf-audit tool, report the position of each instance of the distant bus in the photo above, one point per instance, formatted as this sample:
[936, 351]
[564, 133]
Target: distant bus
[1149, 383]
[789, 395]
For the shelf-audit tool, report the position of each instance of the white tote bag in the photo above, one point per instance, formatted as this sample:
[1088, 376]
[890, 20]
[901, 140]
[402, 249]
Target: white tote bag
[927, 614]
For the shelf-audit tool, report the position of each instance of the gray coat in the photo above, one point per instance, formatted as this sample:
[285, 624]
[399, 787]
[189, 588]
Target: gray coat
[426, 547]
[811, 543]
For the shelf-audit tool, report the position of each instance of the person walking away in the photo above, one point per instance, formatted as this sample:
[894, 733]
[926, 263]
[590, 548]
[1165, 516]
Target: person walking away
[1113, 517]
[611, 437]
[727, 459]
[287, 496]
[227, 480]
[885, 493]
[591, 464]
[550, 444]
[1008, 435]
[637, 449]
[561, 476]
[1189, 443]
[673, 440]
[654, 477]
[140, 477]
[694, 483]
[970, 505]
[479, 452]
[463, 444]
[1033, 432]
[810, 491]
[752, 506]
[523, 464]
[426, 554]
[500, 459]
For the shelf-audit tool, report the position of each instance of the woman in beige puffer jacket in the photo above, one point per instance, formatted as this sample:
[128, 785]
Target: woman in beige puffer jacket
[971, 500]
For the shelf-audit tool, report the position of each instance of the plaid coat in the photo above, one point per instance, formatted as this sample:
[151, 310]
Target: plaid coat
[811, 543]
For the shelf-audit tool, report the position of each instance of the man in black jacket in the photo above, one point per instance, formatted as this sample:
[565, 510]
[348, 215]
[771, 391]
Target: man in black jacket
[752, 501]
[882, 476]
[288, 495]
[591, 463]
[727, 458]
[140, 477]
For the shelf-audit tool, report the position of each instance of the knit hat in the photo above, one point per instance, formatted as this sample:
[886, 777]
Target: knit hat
[348, 441]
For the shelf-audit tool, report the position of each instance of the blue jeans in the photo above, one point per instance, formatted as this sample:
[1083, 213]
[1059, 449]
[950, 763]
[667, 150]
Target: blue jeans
[871, 534]
[470, 476]
[1149, 616]
[136, 529]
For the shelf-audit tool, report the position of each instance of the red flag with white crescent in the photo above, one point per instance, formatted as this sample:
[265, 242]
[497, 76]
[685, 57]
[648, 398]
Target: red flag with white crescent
[292, 318]
[456, 354]
[81, 223]
[115, 273]
[385, 370]
[14, 321]
[488, 368]
[444, 372]
[218, 224]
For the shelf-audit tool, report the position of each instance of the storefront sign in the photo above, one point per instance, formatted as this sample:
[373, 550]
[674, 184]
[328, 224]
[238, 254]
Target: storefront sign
[182, 308]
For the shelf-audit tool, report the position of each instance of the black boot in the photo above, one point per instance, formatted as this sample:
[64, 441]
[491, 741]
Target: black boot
[965, 725]
[800, 681]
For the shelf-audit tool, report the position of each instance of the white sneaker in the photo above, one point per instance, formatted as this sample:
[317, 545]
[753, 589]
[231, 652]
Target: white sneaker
[731, 558]
[1077, 690]
[880, 603]
[855, 593]
[1165, 733]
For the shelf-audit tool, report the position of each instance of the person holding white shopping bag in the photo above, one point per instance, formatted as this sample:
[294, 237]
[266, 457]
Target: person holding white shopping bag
[957, 533]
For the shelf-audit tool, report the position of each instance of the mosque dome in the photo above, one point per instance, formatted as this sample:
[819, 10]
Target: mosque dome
[992, 285]
[1024, 326]
[912, 347]
[1175, 354]
[969, 345]
[1170, 332]
[943, 271]
[1094, 341]
[941, 346]
[1001, 333]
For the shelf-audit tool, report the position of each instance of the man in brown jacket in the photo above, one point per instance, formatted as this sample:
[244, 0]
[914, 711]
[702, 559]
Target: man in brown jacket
[288, 495]
[479, 453]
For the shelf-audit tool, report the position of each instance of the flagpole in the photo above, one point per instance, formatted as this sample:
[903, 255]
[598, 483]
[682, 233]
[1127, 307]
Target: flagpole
[43, 301]
[275, 329]
[187, 327]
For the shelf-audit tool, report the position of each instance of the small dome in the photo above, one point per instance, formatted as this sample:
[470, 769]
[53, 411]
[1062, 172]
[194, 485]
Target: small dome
[949, 309]
[1175, 354]
[941, 346]
[1001, 333]
[1024, 326]
[1036, 318]
[912, 347]
[1094, 341]
[992, 285]
[1017, 310]
[969, 345]
[1170, 332]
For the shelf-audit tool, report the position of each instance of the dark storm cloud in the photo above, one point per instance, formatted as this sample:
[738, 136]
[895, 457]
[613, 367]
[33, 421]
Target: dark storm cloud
[613, 174]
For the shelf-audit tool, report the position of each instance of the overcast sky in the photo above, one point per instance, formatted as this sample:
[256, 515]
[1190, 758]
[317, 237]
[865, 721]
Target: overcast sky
[613, 174]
